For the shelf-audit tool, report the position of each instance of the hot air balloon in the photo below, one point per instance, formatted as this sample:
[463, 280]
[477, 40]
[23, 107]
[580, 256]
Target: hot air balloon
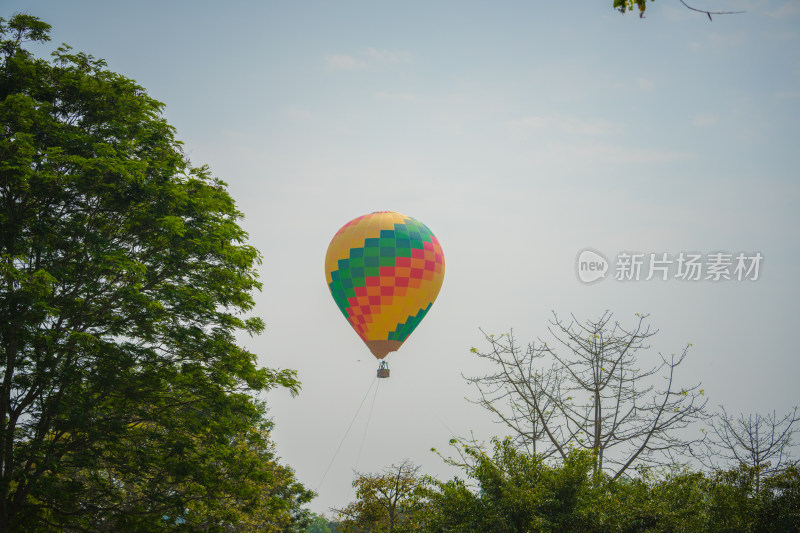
[384, 271]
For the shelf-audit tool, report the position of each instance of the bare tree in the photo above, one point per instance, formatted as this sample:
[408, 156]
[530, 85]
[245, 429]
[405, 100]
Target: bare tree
[588, 391]
[760, 442]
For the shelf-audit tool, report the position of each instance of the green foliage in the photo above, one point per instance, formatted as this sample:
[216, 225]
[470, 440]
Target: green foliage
[322, 524]
[514, 492]
[675, 501]
[124, 279]
[746, 499]
[510, 491]
[391, 501]
[318, 524]
[779, 505]
[624, 5]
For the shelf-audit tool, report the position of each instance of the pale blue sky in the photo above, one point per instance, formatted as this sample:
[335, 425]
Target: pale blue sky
[520, 133]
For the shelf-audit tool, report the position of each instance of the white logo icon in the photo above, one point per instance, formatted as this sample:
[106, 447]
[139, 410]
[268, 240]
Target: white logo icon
[592, 266]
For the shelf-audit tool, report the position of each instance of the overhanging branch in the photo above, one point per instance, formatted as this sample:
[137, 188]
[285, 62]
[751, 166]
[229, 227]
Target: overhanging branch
[709, 13]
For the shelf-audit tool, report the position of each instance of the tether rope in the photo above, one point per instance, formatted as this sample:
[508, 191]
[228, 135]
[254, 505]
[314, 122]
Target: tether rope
[346, 432]
[369, 417]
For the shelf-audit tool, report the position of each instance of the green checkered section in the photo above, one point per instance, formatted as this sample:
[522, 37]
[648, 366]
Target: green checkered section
[404, 330]
[367, 262]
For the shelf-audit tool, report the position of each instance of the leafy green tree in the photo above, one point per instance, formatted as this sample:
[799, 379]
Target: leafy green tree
[733, 500]
[511, 491]
[779, 509]
[236, 485]
[318, 524]
[505, 490]
[127, 403]
[335, 526]
[737, 505]
[675, 499]
[389, 501]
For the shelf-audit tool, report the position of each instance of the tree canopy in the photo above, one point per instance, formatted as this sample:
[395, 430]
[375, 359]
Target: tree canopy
[391, 501]
[504, 489]
[124, 277]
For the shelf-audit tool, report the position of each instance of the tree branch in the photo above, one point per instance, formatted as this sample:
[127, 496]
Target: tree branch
[709, 13]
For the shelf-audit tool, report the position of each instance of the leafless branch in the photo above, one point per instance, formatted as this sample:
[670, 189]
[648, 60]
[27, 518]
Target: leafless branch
[760, 442]
[709, 13]
[590, 392]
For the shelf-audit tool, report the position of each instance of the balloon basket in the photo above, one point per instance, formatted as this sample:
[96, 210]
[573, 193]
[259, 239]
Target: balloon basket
[383, 370]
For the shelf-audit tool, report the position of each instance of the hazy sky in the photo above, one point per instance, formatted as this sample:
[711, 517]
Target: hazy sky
[520, 133]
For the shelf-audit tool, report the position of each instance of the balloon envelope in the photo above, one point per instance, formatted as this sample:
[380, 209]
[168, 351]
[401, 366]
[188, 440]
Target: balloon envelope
[384, 271]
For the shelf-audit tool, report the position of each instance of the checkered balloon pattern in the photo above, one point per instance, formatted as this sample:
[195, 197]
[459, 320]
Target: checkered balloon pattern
[384, 271]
